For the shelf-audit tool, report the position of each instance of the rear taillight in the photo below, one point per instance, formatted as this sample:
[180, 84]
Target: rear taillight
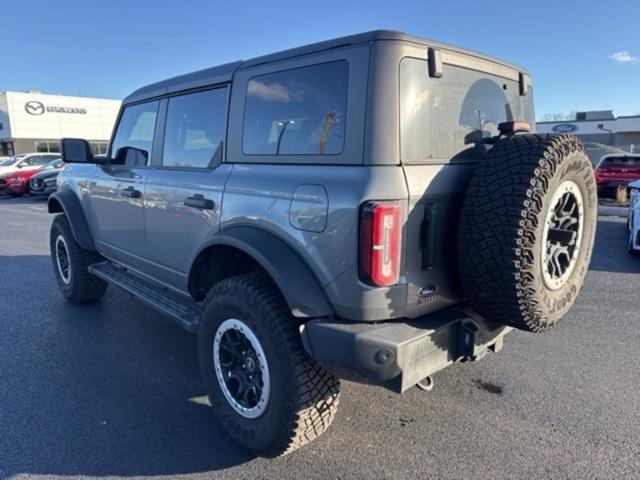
[380, 235]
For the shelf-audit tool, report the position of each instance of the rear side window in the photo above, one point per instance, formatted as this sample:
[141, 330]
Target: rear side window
[441, 117]
[194, 131]
[135, 134]
[297, 112]
[621, 162]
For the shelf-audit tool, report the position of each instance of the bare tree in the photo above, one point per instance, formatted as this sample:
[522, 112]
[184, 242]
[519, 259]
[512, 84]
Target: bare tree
[557, 117]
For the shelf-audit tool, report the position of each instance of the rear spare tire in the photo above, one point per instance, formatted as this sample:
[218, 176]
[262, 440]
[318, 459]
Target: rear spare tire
[527, 229]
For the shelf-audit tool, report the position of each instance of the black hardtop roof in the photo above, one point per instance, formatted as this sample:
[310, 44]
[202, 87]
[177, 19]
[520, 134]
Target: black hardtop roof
[224, 73]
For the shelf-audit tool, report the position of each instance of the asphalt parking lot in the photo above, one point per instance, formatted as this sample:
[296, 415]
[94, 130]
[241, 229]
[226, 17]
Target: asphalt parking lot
[113, 389]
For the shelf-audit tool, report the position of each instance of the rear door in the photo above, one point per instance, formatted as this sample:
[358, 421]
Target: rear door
[118, 188]
[184, 192]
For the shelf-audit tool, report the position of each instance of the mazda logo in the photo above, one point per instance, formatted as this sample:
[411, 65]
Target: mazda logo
[34, 108]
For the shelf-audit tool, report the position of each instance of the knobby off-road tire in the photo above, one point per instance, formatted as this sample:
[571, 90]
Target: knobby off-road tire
[301, 398]
[71, 265]
[519, 212]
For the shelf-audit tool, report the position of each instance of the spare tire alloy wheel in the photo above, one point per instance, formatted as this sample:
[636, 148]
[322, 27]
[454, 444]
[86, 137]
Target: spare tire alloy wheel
[241, 368]
[562, 235]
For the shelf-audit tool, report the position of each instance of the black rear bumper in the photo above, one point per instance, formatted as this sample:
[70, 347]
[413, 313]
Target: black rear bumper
[398, 354]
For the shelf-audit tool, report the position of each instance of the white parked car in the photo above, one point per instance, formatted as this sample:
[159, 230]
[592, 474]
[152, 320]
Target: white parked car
[633, 219]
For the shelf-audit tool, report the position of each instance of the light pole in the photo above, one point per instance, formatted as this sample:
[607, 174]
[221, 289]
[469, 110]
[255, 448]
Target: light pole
[284, 124]
[601, 127]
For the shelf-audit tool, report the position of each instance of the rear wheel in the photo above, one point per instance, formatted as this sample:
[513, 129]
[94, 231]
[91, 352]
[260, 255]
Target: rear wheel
[526, 230]
[267, 393]
[71, 265]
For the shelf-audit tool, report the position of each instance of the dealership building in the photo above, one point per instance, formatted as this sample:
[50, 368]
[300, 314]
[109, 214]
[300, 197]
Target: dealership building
[600, 127]
[35, 122]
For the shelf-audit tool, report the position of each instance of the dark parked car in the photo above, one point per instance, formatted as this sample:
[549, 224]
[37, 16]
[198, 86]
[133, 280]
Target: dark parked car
[43, 183]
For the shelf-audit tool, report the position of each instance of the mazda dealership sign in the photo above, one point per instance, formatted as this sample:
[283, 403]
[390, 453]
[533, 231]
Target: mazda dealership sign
[34, 107]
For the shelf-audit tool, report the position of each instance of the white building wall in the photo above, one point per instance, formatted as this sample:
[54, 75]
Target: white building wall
[43, 116]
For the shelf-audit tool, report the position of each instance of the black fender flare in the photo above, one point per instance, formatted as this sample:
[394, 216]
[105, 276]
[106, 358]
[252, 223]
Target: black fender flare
[67, 202]
[299, 286]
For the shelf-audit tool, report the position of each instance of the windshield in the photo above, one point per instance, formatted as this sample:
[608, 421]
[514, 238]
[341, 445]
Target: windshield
[53, 164]
[7, 162]
[441, 118]
[621, 161]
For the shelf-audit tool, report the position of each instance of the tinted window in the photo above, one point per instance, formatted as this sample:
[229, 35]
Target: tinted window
[99, 148]
[53, 165]
[299, 111]
[622, 162]
[135, 131]
[36, 160]
[11, 160]
[194, 131]
[441, 117]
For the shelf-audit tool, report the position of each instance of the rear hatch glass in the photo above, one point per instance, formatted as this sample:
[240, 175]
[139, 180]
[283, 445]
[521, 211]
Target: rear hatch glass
[442, 117]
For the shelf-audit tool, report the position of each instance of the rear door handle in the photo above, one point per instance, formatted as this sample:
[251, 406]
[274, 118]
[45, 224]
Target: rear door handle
[130, 192]
[198, 201]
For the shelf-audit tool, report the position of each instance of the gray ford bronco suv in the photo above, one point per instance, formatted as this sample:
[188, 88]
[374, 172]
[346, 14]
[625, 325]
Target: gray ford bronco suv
[372, 208]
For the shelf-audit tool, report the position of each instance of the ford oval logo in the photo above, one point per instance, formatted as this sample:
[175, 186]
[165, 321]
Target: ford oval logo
[427, 291]
[565, 128]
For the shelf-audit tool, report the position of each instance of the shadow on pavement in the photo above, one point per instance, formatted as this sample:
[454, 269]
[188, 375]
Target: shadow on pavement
[27, 199]
[105, 389]
[112, 388]
[613, 234]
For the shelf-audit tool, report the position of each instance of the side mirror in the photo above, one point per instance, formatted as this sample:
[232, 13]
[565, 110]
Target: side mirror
[75, 150]
[21, 165]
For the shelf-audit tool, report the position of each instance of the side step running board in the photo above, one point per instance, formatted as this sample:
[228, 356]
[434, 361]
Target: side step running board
[178, 307]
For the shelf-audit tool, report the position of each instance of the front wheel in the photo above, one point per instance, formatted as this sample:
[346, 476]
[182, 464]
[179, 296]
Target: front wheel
[267, 393]
[71, 265]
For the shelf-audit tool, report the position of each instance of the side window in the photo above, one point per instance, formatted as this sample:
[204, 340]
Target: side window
[441, 118]
[297, 112]
[134, 136]
[99, 148]
[34, 160]
[194, 130]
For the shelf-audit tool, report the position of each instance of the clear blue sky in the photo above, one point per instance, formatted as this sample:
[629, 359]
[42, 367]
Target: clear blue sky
[583, 55]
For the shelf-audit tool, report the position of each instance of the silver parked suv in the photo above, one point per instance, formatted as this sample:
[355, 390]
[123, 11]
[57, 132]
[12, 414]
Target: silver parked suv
[371, 208]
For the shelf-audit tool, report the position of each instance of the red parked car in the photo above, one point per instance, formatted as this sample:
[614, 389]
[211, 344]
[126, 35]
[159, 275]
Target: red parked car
[16, 182]
[616, 170]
